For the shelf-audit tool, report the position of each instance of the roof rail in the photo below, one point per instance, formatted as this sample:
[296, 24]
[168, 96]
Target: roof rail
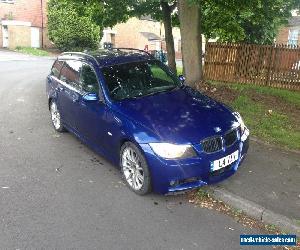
[80, 54]
[132, 49]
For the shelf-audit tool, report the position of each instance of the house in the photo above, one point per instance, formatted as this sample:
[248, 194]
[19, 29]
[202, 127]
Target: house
[141, 33]
[290, 34]
[23, 23]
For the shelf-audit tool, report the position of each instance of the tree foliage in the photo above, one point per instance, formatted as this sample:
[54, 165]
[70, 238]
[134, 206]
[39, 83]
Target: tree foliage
[153, 8]
[116, 11]
[71, 25]
[255, 21]
[106, 13]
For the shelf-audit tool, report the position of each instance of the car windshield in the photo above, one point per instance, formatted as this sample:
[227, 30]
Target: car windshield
[138, 79]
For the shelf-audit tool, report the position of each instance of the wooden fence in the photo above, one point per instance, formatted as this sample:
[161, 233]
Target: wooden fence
[269, 65]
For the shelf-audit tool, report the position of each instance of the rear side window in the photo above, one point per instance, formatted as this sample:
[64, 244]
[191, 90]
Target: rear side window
[56, 68]
[70, 73]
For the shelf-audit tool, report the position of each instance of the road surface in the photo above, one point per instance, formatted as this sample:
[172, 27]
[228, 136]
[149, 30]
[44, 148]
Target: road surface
[55, 193]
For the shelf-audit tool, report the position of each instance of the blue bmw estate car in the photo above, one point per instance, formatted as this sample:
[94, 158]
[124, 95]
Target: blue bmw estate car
[130, 108]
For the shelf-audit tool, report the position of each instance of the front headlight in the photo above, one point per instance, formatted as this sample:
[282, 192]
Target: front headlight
[172, 151]
[240, 121]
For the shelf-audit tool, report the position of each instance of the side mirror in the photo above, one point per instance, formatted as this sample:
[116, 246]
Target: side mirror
[181, 79]
[91, 97]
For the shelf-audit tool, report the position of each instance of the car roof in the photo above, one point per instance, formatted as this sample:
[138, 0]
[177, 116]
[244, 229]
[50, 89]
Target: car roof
[109, 57]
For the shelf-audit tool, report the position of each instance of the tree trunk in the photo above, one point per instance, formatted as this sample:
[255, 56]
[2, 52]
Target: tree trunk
[167, 11]
[190, 28]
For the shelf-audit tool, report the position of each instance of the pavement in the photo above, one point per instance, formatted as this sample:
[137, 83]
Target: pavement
[55, 193]
[7, 55]
[270, 178]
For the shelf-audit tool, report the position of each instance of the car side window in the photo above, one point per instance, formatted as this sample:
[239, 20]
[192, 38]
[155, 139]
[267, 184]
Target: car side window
[88, 79]
[56, 68]
[70, 73]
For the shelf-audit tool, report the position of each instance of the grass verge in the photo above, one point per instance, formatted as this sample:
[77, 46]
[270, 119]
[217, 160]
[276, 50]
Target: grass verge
[272, 115]
[32, 51]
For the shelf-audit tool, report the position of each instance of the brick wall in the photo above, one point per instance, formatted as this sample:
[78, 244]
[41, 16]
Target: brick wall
[282, 36]
[46, 41]
[129, 35]
[24, 10]
[28, 11]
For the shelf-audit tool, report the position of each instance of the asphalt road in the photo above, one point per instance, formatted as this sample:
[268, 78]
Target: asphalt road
[55, 193]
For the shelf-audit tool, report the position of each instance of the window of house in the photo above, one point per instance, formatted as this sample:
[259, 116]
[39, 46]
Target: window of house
[293, 37]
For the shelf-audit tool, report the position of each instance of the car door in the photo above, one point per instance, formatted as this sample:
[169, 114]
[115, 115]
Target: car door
[91, 114]
[68, 92]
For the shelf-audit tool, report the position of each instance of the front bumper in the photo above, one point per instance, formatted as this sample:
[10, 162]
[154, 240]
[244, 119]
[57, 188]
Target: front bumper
[179, 175]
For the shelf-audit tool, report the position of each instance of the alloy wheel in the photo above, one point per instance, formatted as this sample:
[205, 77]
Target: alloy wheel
[131, 166]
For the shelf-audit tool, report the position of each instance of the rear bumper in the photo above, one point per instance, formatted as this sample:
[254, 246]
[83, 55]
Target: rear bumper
[170, 176]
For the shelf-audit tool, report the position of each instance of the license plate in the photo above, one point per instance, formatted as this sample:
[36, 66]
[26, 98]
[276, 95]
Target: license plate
[225, 161]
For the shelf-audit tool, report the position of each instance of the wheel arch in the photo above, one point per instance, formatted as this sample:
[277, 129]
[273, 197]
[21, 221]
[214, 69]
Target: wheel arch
[49, 101]
[52, 98]
[126, 139]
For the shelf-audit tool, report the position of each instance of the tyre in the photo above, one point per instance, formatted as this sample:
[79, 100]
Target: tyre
[135, 169]
[56, 117]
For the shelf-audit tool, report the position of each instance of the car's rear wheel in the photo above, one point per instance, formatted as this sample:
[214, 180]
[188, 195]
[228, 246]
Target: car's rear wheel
[135, 169]
[56, 117]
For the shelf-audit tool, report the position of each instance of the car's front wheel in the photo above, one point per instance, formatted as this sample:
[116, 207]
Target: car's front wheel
[135, 169]
[56, 117]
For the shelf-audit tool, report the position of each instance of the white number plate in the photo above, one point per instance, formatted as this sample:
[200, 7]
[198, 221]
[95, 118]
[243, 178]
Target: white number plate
[225, 161]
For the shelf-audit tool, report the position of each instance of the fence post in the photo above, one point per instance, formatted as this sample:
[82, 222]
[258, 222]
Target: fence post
[236, 65]
[267, 83]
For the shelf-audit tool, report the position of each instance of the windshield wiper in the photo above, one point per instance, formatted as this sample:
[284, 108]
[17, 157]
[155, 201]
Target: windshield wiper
[152, 93]
[162, 91]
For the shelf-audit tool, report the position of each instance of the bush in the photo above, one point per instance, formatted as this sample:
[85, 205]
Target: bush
[70, 27]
